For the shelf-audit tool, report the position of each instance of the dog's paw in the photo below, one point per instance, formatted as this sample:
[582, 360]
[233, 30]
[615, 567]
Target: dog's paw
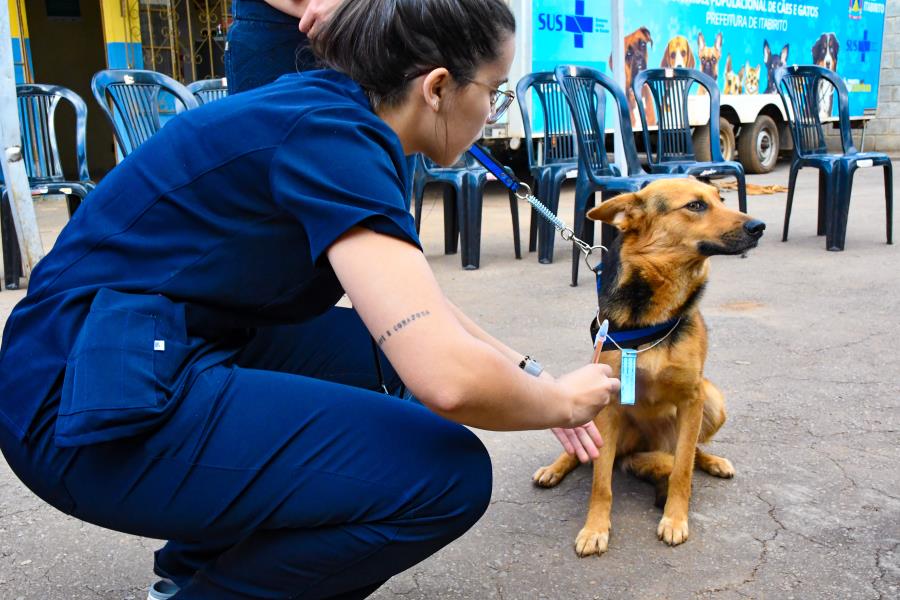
[721, 467]
[673, 531]
[546, 477]
[591, 541]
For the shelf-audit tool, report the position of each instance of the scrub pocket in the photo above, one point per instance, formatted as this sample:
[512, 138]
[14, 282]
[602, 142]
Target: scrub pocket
[125, 370]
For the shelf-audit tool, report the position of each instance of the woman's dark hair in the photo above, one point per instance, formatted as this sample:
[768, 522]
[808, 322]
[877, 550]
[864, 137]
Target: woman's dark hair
[381, 44]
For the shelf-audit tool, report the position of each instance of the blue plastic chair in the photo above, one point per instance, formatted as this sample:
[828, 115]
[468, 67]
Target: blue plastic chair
[37, 106]
[585, 90]
[130, 100]
[558, 157]
[209, 90]
[463, 198]
[674, 152]
[798, 87]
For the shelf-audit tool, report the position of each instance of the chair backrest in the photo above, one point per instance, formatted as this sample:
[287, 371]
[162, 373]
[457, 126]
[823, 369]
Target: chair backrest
[37, 110]
[585, 90]
[560, 144]
[669, 89]
[799, 88]
[209, 90]
[130, 100]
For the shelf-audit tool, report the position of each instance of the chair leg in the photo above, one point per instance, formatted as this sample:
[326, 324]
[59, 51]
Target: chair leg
[12, 258]
[418, 199]
[792, 182]
[452, 203]
[584, 195]
[514, 210]
[889, 200]
[824, 198]
[836, 233]
[742, 191]
[550, 198]
[533, 230]
[470, 225]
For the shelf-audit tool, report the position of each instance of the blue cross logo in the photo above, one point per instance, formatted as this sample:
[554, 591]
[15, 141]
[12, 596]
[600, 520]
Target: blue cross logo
[579, 24]
[862, 46]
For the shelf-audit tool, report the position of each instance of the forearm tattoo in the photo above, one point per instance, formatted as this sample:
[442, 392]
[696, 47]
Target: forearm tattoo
[398, 326]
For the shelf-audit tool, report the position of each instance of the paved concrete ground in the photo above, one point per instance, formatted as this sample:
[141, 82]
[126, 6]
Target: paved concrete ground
[804, 346]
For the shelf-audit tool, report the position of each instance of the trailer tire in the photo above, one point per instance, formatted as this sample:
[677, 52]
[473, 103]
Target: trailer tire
[759, 144]
[726, 141]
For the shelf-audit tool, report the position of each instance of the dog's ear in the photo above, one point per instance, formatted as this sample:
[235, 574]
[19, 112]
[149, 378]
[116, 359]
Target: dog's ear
[624, 211]
[719, 42]
[784, 54]
[689, 62]
[766, 52]
[646, 33]
[701, 43]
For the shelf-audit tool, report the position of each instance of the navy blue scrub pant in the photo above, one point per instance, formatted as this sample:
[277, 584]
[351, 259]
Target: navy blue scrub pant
[284, 475]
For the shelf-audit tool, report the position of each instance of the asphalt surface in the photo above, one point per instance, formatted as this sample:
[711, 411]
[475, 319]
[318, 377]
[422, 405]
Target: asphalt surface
[803, 343]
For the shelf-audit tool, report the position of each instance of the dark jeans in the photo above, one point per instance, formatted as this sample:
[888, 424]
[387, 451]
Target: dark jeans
[284, 475]
[263, 45]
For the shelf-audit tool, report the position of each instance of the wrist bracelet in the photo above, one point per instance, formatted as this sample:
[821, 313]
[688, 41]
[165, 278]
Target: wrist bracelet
[531, 366]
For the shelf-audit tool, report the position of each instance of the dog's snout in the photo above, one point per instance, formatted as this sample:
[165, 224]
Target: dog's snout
[754, 227]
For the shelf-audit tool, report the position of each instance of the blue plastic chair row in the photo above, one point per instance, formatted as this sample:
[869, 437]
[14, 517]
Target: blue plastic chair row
[37, 106]
[799, 88]
[571, 146]
[130, 99]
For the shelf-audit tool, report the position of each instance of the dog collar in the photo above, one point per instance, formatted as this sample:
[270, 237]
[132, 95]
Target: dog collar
[618, 338]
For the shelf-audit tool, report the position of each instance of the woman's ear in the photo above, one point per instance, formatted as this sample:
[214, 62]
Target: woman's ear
[624, 211]
[435, 86]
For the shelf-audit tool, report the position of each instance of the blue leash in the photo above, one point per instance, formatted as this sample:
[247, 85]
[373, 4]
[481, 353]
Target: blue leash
[523, 192]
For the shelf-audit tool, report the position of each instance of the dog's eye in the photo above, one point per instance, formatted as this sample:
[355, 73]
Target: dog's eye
[696, 206]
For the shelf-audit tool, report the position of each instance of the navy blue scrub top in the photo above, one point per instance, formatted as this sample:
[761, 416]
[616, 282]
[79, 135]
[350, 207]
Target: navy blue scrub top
[216, 225]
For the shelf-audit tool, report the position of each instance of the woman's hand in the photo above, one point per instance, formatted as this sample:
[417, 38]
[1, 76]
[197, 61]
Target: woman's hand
[312, 13]
[588, 389]
[584, 442]
[315, 15]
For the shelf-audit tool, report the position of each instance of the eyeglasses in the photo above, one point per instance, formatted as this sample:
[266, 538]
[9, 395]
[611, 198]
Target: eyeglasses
[500, 99]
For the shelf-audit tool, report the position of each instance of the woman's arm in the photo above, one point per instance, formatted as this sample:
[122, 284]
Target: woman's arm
[450, 370]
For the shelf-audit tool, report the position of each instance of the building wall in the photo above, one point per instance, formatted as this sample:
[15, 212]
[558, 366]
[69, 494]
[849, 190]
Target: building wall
[883, 132]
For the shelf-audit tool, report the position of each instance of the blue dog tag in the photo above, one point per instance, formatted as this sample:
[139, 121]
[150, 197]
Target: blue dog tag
[627, 376]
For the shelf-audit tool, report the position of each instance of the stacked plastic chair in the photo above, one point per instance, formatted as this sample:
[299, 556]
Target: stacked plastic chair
[558, 157]
[37, 111]
[130, 100]
[674, 150]
[209, 90]
[798, 87]
[585, 90]
[463, 198]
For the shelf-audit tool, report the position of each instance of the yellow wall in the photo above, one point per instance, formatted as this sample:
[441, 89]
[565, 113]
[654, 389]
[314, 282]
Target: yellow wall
[121, 22]
[14, 18]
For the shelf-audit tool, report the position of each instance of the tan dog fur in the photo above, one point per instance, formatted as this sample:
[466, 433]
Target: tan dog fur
[664, 243]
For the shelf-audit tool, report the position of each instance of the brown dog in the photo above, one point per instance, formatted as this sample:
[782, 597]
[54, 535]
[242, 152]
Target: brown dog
[678, 54]
[637, 44]
[656, 272]
[709, 57]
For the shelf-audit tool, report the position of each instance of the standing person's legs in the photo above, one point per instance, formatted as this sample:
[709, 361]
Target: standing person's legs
[263, 44]
[308, 488]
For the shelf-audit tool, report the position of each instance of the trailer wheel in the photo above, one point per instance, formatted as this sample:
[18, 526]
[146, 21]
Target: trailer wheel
[759, 144]
[726, 141]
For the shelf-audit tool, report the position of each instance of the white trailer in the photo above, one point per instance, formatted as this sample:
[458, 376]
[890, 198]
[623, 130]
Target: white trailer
[738, 42]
